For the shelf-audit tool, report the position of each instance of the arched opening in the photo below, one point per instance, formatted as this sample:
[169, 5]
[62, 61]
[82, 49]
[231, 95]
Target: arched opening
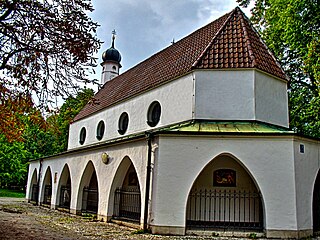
[47, 188]
[88, 195]
[127, 195]
[224, 197]
[64, 189]
[316, 205]
[34, 188]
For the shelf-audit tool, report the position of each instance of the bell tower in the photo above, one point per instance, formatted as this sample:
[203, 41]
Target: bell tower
[111, 62]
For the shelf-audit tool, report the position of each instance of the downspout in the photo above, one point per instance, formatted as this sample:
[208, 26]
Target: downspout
[148, 177]
[38, 183]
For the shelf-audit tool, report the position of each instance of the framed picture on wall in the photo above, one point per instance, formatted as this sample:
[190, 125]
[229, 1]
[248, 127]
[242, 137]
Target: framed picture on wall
[224, 178]
[133, 179]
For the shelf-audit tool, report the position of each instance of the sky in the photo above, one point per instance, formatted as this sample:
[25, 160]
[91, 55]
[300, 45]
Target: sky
[144, 27]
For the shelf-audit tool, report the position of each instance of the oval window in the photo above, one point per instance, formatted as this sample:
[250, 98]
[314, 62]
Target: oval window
[123, 123]
[154, 113]
[83, 133]
[100, 130]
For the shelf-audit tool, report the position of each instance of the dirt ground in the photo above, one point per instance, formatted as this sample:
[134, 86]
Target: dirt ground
[21, 220]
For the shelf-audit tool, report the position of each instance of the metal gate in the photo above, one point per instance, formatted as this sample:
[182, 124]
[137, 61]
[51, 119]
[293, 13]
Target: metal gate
[127, 204]
[47, 194]
[35, 193]
[224, 209]
[65, 196]
[90, 200]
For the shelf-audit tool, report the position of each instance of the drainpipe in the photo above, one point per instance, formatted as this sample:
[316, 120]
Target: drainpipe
[38, 183]
[148, 177]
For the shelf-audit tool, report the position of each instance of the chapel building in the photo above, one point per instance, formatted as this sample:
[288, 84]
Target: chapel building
[194, 138]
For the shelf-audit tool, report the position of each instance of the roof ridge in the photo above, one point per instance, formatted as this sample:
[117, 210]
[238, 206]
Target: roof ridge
[214, 37]
[247, 39]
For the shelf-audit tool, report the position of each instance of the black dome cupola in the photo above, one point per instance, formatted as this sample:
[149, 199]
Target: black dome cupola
[112, 54]
[111, 62]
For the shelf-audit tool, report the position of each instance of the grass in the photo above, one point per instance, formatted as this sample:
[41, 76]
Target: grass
[11, 193]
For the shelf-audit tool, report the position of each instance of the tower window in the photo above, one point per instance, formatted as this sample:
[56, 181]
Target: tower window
[100, 130]
[154, 113]
[114, 68]
[83, 134]
[123, 123]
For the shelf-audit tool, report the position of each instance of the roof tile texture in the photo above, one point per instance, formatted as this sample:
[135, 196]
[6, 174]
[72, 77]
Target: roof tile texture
[228, 42]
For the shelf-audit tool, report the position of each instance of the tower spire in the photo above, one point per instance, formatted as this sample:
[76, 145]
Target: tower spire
[111, 61]
[114, 33]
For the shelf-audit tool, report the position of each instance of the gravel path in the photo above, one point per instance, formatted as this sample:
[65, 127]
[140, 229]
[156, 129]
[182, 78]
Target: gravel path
[21, 220]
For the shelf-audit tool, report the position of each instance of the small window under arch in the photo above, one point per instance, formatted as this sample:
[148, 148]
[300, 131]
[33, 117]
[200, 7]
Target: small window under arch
[100, 130]
[154, 113]
[123, 123]
[83, 134]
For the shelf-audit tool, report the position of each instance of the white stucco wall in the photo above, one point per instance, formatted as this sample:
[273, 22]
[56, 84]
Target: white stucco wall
[241, 95]
[224, 95]
[284, 176]
[215, 95]
[175, 98]
[77, 162]
[307, 165]
[181, 159]
[271, 100]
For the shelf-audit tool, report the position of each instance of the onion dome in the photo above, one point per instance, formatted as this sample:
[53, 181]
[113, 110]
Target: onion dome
[112, 54]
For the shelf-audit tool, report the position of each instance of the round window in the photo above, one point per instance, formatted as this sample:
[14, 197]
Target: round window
[154, 113]
[123, 123]
[100, 130]
[83, 133]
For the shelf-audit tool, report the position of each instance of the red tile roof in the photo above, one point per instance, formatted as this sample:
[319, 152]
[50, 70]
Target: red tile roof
[228, 42]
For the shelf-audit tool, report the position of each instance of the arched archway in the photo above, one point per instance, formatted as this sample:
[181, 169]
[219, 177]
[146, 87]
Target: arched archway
[46, 191]
[88, 194]
[125, 195]
[64, 189]
[34, 187]
[224, 196]
[316, 204]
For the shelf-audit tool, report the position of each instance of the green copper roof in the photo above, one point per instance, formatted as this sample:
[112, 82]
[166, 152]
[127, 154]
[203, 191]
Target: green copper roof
[229, 127]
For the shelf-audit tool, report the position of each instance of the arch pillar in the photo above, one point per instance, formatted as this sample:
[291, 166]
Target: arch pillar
[33, 188]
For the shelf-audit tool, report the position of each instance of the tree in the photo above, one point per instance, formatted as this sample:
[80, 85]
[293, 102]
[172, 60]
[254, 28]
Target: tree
[11, 109]
[35, 142]
[59, 123]
[291, 29]
[46, 48]
[38, 137]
